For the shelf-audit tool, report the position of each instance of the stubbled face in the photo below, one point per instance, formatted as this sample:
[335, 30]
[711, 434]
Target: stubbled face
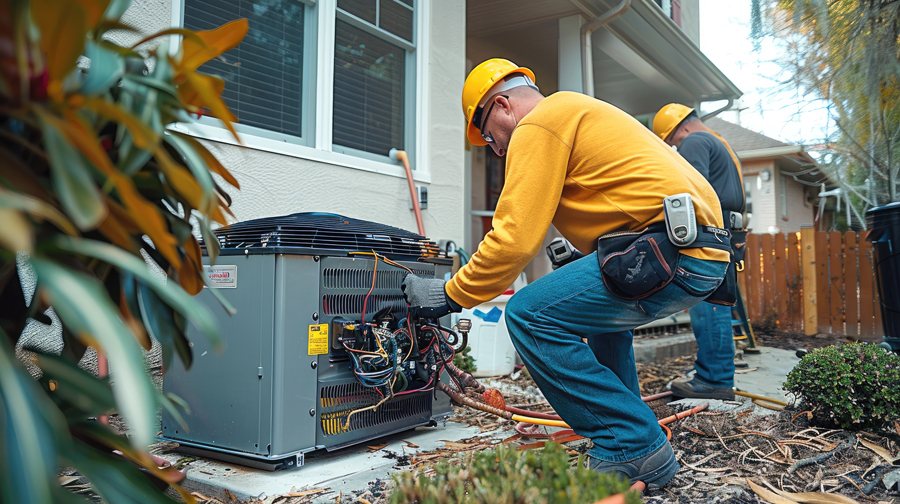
[499, 124]
[677, 136]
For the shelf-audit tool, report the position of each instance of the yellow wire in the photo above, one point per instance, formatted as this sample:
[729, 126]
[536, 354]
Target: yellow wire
[541, 421]
[760, 400]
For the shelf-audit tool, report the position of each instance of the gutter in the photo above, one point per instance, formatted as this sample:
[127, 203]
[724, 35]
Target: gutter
[587, 63]
[770, 152]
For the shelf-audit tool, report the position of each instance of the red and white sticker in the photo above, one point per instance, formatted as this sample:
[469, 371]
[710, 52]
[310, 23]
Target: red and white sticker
[221, 277]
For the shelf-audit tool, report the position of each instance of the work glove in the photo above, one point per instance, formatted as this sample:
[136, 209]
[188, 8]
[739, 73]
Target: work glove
[427, 297]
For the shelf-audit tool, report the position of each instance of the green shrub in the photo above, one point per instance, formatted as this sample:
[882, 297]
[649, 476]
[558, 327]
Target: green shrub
[854, 386]
[510, 476]
[464, 361]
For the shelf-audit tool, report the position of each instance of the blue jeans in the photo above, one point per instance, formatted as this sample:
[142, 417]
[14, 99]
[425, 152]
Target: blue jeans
[596, 392]
[715, 342]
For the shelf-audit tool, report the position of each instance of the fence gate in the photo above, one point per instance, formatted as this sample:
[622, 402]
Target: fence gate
[814, 282]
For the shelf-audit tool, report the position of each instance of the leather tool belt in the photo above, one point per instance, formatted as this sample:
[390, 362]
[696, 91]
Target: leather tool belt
[637, 264]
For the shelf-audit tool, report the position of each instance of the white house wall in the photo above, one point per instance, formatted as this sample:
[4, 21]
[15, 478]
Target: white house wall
[276, 184]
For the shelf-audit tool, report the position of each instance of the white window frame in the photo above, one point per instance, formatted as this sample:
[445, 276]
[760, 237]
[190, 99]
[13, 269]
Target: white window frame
[317, 145]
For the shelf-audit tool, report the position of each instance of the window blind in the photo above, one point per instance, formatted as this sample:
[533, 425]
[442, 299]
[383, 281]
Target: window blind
[368, 91]
[264, 74]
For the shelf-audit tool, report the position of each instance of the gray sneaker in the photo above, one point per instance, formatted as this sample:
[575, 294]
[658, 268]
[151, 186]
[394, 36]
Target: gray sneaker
[695, 388]
[655, 470]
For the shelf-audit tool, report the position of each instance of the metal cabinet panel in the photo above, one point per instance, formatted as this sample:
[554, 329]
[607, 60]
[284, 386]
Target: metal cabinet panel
[224, 390]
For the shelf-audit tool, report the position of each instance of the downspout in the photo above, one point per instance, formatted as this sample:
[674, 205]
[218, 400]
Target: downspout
[714, 113]
[587, 63]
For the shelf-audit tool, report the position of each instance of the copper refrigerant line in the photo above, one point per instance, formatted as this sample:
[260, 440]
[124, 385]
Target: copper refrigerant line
[474, 389]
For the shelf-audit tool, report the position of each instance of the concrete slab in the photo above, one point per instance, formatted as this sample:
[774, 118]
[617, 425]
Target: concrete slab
[345, 470]
[772, 367]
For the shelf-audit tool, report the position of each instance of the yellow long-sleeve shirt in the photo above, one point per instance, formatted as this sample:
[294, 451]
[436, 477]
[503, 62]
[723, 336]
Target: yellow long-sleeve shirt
[588, 168]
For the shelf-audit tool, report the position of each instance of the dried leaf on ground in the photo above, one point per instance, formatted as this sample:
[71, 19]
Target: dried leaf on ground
[886, 455]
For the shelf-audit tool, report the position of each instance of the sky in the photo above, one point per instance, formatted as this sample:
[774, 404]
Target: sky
[768, 108]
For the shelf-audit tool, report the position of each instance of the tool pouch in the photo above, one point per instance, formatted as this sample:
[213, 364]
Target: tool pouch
[738, 246]
[634, 265]
[726, 294]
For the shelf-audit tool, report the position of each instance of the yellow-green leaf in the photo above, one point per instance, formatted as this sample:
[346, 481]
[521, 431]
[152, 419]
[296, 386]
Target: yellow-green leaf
[211, 161]
[217, 41]
[63, 27]
[143, 136]
[37, 208]
[206, 91]
[15, 233]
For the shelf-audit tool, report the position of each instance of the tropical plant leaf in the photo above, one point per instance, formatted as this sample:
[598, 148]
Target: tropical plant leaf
[36, 208]
[33, 428]
[160, 317]
[143, 136]
[199, 170]
[72, 180]
[89, 395]
[106, 68]
[216, 42]
[190, 276]
[214, 165]
[170, 293]
[116, 8]
[63, 25]
[16, 232]
[114, 478]
[200, 91]
[172, 403]
[93, 10]
[82, 304]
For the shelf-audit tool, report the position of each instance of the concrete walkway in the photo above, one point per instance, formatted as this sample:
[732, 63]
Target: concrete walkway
[351, 469]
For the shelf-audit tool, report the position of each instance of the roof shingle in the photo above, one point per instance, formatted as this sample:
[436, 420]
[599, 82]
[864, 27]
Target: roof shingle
[740, 138]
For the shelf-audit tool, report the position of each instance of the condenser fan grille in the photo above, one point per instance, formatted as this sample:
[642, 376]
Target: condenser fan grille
[326, 233]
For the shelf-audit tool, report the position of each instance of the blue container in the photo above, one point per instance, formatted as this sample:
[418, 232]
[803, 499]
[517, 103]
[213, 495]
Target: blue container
[884, 223]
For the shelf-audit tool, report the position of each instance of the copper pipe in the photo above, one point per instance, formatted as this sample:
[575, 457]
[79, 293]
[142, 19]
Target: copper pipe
[403, 158]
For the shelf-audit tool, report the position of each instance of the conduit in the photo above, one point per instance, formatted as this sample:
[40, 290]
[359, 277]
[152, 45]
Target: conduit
[403, 158]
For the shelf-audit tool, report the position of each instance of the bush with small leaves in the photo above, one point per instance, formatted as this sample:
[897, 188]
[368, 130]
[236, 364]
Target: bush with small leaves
[853, 386]
[511, 476]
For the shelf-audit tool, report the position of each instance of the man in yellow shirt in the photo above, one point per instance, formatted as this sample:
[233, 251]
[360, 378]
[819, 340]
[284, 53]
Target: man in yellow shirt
[594, 172]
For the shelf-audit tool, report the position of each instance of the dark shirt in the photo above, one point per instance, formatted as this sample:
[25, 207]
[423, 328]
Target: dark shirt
[710, 157]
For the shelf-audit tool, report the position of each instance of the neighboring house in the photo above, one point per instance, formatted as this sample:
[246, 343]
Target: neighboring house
[323, 90]
[781, 180]
[639, 61]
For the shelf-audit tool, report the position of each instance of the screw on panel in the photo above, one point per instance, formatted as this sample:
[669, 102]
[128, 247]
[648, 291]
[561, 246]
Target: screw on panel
[312, 412]
[314, 364]
[315, 315]
[316, 258]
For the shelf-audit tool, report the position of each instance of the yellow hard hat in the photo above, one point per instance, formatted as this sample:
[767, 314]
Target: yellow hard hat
[480, 80]
[668, 118]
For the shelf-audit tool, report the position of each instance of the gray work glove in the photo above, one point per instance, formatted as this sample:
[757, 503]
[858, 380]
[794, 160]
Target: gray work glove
[427, 296]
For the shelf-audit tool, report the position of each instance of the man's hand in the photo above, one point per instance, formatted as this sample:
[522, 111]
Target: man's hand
[427, 296]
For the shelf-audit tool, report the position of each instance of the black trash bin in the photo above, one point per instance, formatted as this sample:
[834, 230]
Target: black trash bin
[884, 223]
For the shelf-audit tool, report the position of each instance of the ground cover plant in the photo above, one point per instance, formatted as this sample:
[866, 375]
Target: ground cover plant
[852, 386]
[91, 184]
[512, 476]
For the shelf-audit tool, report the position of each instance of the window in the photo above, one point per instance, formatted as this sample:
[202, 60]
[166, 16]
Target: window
[748, 202]
[373, 81]
[264, 75]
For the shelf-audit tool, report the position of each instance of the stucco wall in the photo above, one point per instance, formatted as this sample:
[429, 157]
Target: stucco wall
[275, 184]
[797, 213]
[764, 195]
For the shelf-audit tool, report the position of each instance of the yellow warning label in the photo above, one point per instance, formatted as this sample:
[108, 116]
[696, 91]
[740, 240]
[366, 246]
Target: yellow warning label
[318, 339]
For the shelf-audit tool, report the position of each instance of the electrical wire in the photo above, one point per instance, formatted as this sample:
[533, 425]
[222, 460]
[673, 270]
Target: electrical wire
[374, 276]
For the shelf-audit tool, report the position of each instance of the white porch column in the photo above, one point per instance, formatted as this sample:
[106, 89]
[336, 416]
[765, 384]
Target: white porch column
[570, 54]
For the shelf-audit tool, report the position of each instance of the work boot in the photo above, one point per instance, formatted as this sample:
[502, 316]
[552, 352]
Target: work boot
[655, 470]
[696, 388]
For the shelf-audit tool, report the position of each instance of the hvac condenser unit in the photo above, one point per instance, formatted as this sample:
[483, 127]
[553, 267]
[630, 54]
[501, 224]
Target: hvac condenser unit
[284, 385]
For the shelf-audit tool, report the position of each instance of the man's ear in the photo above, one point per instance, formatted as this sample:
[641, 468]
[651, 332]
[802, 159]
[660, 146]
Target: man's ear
[503, 103]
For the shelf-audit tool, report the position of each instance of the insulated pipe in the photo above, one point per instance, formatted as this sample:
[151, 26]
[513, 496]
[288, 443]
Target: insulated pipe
[403, 158]
[587, 63]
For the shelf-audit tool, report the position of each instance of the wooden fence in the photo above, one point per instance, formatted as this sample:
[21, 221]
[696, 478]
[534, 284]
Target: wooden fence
[812, 282]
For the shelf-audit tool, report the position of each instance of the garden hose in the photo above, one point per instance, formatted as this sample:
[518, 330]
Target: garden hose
[773, 404]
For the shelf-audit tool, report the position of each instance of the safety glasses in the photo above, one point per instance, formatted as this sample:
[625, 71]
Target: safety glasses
[477, 119]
